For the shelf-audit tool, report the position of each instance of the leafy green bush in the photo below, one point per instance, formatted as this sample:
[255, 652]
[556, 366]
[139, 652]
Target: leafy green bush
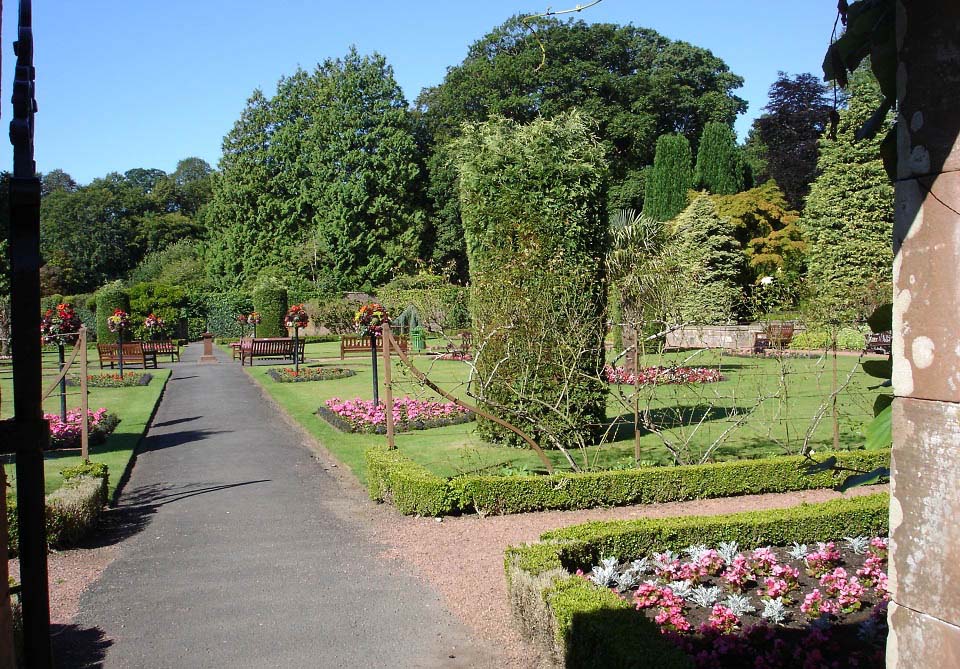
[167, 302]
[110, 297]
[92, 470]
[534, 211]
[220, 311]
[848, 339]
[669, 179]
[270, 301]
[588, 626]
[85, 304]
[439, 306]
[649, 485]
[335, 314]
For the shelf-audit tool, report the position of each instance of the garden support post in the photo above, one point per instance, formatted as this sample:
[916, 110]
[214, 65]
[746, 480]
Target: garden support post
[63, 382]
[7, 660]
[387, 387]
[120, 349]
[296, 351]
[924, 612]
[373, 360]
[84, 398]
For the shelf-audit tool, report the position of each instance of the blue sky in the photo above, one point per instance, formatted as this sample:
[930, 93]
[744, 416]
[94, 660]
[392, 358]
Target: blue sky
[126, 83]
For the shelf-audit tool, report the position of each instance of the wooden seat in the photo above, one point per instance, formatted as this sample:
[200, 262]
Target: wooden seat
[351, 344]
[278, 347]
[134, 355]
[879, 342]
[165, 347]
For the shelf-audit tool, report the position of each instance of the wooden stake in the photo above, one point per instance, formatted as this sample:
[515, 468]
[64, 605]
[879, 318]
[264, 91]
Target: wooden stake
[387, 387]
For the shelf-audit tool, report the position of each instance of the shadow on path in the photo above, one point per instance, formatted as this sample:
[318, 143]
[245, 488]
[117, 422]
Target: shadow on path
[79, 647]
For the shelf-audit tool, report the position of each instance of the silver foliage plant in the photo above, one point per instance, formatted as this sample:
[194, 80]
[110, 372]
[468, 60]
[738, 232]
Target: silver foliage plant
[728, 550]
[605, 573]
[705, 596]
[739, 604]
[858, 545]
[664, 559]
[680, 588]
[775, 611]
[696, 551]
[799, 551]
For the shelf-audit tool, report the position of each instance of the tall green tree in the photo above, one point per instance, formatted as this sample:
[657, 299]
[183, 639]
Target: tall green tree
[669, 179]
[713, 265]
[848, 221]
[720, 168]
[323, 176]
[635, 83]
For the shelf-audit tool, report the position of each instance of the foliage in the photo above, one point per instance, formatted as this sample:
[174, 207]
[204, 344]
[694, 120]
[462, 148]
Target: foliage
[767, 229]
[533, 201]
[650, 485]
[636, 84]
[713, 265]
[848, 339]
[335, 314]
[71, 512]
[320, 181]
[114, 380]
[720, 168]
[848, 221]
[110, 297]
[270, 301]
[168, 302]
[220, 310]
[784, 139]
[438, 304]
[669, 179]
[290, 375]
[178, 264]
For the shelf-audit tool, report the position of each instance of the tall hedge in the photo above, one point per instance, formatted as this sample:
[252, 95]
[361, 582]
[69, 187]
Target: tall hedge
[669, 179]
[110, 297]
[720, 167]
[166, 301]
[270, 301]
[533, 199]
[222, 309]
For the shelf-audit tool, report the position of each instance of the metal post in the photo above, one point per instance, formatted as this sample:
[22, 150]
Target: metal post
[84, 399]
[373, 359]
[63, 383]
[388, 389]
[120, 349]
[296, 350]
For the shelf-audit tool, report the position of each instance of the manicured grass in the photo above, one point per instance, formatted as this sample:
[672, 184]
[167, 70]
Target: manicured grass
[133, 405]
[701, 413]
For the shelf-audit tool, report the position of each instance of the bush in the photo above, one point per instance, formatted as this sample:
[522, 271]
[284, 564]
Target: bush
[221, 311]
[334, 314]
[110, 297]
[534, 212]
[85, 304]
[270, 301]
[587, 626]
[669, 179]
[167, 302]
[848, 339]
[397, 480]
[518, 494]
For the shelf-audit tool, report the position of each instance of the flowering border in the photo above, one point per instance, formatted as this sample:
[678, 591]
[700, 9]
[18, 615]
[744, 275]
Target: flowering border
[377, 422]
[114, 380]
[290, 375]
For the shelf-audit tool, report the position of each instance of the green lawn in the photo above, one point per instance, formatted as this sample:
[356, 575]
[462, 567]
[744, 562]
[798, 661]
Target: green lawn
[133, 405]
[697, 415]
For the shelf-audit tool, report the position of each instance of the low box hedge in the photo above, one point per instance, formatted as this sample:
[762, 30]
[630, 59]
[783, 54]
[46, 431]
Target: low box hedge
[586, 626]
[415, 490]
[72, 510]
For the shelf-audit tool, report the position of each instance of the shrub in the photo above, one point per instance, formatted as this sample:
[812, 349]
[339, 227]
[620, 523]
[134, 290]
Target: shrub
[439, 305]
[221, 310]
[85, 304]
[720, 167]
[71, 511]
[336, 315]
[109, 298]
[290, 375]
[167, 302]
[848, 339]
[270, 300]
[534, 212]
[412, 489]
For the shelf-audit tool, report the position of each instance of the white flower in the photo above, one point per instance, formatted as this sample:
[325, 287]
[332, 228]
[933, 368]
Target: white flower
[766, 281]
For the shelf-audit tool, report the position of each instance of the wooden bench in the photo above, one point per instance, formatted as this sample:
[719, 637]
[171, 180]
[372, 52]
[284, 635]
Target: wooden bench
[235, 348]
[278, 347]
[361, 344]
[166, 347]
[776, 336]
[879, 342]
[134, 355]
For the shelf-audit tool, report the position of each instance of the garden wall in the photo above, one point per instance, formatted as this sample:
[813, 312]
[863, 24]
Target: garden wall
[583, 625]
[396, 479]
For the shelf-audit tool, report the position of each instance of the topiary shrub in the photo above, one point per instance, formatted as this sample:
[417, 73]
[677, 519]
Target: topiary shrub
[270, 301]
[110, 297]
[719, 162]
[534, 211]
[669, 179]
[221, 310]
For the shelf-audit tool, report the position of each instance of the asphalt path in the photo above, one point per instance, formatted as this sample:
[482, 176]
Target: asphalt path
[241, 551]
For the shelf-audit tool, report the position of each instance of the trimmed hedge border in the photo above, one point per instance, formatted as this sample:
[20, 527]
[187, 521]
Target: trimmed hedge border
[413, 489]
[587, 626]
[72, 510]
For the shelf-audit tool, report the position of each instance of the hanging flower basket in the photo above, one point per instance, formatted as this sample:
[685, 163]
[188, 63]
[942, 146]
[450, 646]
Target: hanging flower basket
[155, 326]
[60, 325]
[297, 317]
[119, 321]
[370, 318]
[253, 318]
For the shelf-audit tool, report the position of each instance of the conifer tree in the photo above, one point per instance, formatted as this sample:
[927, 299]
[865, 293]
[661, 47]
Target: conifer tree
[720, 168]
[669, 179]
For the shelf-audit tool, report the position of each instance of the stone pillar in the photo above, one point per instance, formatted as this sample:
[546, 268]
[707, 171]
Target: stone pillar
[925, 491]
[208, 355]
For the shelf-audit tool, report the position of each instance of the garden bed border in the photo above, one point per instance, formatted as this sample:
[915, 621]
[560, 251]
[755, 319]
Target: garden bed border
[414, 490]
[580, 624]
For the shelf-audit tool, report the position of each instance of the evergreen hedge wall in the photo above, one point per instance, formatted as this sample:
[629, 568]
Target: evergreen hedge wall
[533, 203]
[111, 297]
[270, 301]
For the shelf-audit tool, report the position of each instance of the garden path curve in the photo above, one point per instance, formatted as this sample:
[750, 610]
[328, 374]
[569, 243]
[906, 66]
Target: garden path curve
[242, 554]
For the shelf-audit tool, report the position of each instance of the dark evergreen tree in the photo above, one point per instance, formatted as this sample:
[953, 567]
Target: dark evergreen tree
[720, 168]
[669, 179]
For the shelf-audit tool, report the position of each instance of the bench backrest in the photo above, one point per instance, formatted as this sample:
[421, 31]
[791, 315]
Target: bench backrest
[166, 346]
[272, 347]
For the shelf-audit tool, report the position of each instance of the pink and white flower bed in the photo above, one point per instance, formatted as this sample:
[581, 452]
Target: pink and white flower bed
[66, 434]
[661, 375]
[765, 608]
[359, 415]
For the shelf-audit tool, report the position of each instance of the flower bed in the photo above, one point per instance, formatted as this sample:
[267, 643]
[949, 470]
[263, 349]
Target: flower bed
[359, 415]
[661, 375]
[66, 434]
[765, 607]
[290, 375]
[114, 380]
